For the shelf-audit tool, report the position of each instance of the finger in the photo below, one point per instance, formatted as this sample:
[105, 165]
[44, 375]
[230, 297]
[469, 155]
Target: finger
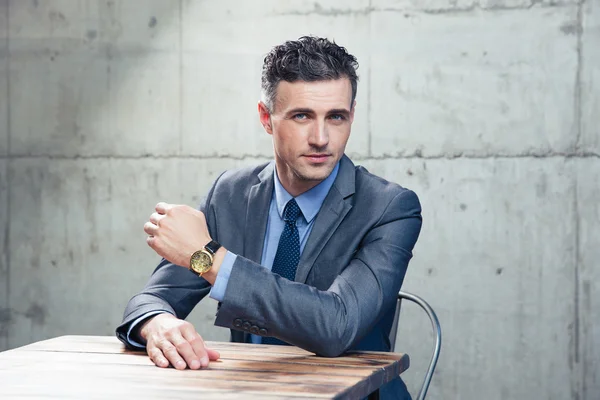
[198, 346]
[170, 352]
[150, 229]
[213, 355]
[185, 350]
[151, 241]
[157, 357]
[155, 218]
[163, 207]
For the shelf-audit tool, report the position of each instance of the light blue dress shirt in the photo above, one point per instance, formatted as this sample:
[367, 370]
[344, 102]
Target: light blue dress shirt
[310, 203]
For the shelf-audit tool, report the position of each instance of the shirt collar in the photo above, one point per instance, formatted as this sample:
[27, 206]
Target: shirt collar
[310, 202]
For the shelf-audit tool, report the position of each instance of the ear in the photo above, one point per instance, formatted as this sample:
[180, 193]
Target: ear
[352, 112]
[265, 117]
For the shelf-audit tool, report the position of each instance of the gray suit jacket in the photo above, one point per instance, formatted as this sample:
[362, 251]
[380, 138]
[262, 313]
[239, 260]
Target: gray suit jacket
[348, 277]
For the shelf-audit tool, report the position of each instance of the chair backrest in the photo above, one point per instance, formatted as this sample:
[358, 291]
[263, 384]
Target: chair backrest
[435, 324]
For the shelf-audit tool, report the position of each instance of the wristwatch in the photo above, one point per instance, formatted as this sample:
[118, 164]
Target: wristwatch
[201, 261]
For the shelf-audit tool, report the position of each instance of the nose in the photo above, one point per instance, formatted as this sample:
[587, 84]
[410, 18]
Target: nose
[319, 136]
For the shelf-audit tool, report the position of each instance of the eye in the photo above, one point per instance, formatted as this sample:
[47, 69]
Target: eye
[337, 117]
[300, 116]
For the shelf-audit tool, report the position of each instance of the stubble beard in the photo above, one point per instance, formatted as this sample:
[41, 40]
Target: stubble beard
[308, 174]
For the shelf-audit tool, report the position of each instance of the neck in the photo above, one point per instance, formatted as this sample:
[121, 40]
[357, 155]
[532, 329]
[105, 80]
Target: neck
[292, 183]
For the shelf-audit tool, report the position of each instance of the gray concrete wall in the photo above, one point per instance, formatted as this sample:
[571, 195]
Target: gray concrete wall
[488, 109]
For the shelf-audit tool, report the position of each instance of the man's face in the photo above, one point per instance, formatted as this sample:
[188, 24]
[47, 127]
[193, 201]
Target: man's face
[310, 124]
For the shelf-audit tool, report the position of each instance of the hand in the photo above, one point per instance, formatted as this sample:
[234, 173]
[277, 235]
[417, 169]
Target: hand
[175, 232]
[170, 340]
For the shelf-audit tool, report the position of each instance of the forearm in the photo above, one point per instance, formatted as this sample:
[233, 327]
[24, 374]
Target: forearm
[324, 322]
[171, 289]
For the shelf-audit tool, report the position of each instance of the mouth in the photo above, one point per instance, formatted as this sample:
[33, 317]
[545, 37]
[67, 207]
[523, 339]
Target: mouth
[317, 157]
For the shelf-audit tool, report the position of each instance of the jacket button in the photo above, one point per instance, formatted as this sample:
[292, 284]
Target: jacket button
[246, 325]
[237, 323]
[263, 332]
[254, 329]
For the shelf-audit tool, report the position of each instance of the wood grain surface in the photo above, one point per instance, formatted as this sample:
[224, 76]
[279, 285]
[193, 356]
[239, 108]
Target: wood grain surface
[99, 367]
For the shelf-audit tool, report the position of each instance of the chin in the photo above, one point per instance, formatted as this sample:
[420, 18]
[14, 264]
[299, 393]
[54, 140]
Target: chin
[315, 173]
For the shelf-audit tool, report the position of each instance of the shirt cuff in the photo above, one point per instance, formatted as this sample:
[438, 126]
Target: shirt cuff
[218, 290]
[134, 325]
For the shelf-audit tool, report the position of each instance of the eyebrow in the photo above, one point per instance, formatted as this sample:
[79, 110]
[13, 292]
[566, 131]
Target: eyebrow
[300, 111]
[342, 111]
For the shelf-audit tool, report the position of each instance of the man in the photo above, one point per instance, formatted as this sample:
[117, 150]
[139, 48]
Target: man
[307, 250]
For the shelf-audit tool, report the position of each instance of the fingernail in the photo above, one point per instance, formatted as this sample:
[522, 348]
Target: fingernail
[195, 364]
[204, 361]
[180, 364]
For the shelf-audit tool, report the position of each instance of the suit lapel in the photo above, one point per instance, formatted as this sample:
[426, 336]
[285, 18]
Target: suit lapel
[335, 207]
[257, 212]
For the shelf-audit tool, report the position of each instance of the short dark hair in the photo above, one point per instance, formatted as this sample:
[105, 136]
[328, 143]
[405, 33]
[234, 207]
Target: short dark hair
[307, 59]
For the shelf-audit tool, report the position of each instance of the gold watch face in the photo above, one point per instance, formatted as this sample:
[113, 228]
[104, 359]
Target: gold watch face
[201, 262]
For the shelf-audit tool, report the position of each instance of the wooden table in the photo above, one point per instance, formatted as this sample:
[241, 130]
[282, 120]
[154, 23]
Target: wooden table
[98, 367]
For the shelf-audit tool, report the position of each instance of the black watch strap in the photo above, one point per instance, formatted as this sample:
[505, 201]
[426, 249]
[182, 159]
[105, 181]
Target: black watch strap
[212, 247]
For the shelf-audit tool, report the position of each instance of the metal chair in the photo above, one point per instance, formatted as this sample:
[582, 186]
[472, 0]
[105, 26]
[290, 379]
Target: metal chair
[435, 323]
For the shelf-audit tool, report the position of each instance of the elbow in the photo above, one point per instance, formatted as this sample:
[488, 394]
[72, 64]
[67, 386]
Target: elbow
[333, 346]
[332, 333]
[331, 351]
[339, 339]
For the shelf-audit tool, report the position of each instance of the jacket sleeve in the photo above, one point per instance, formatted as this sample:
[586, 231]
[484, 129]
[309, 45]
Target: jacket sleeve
[171, 288]
[328, 322]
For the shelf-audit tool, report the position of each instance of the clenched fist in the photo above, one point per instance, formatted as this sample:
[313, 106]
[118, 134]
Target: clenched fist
[175, 232]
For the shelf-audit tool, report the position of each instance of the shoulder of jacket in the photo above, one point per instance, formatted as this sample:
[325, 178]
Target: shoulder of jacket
[370, 183]
[247, 176]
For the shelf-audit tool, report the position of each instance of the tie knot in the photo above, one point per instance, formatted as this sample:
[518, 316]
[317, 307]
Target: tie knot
[292, 211]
